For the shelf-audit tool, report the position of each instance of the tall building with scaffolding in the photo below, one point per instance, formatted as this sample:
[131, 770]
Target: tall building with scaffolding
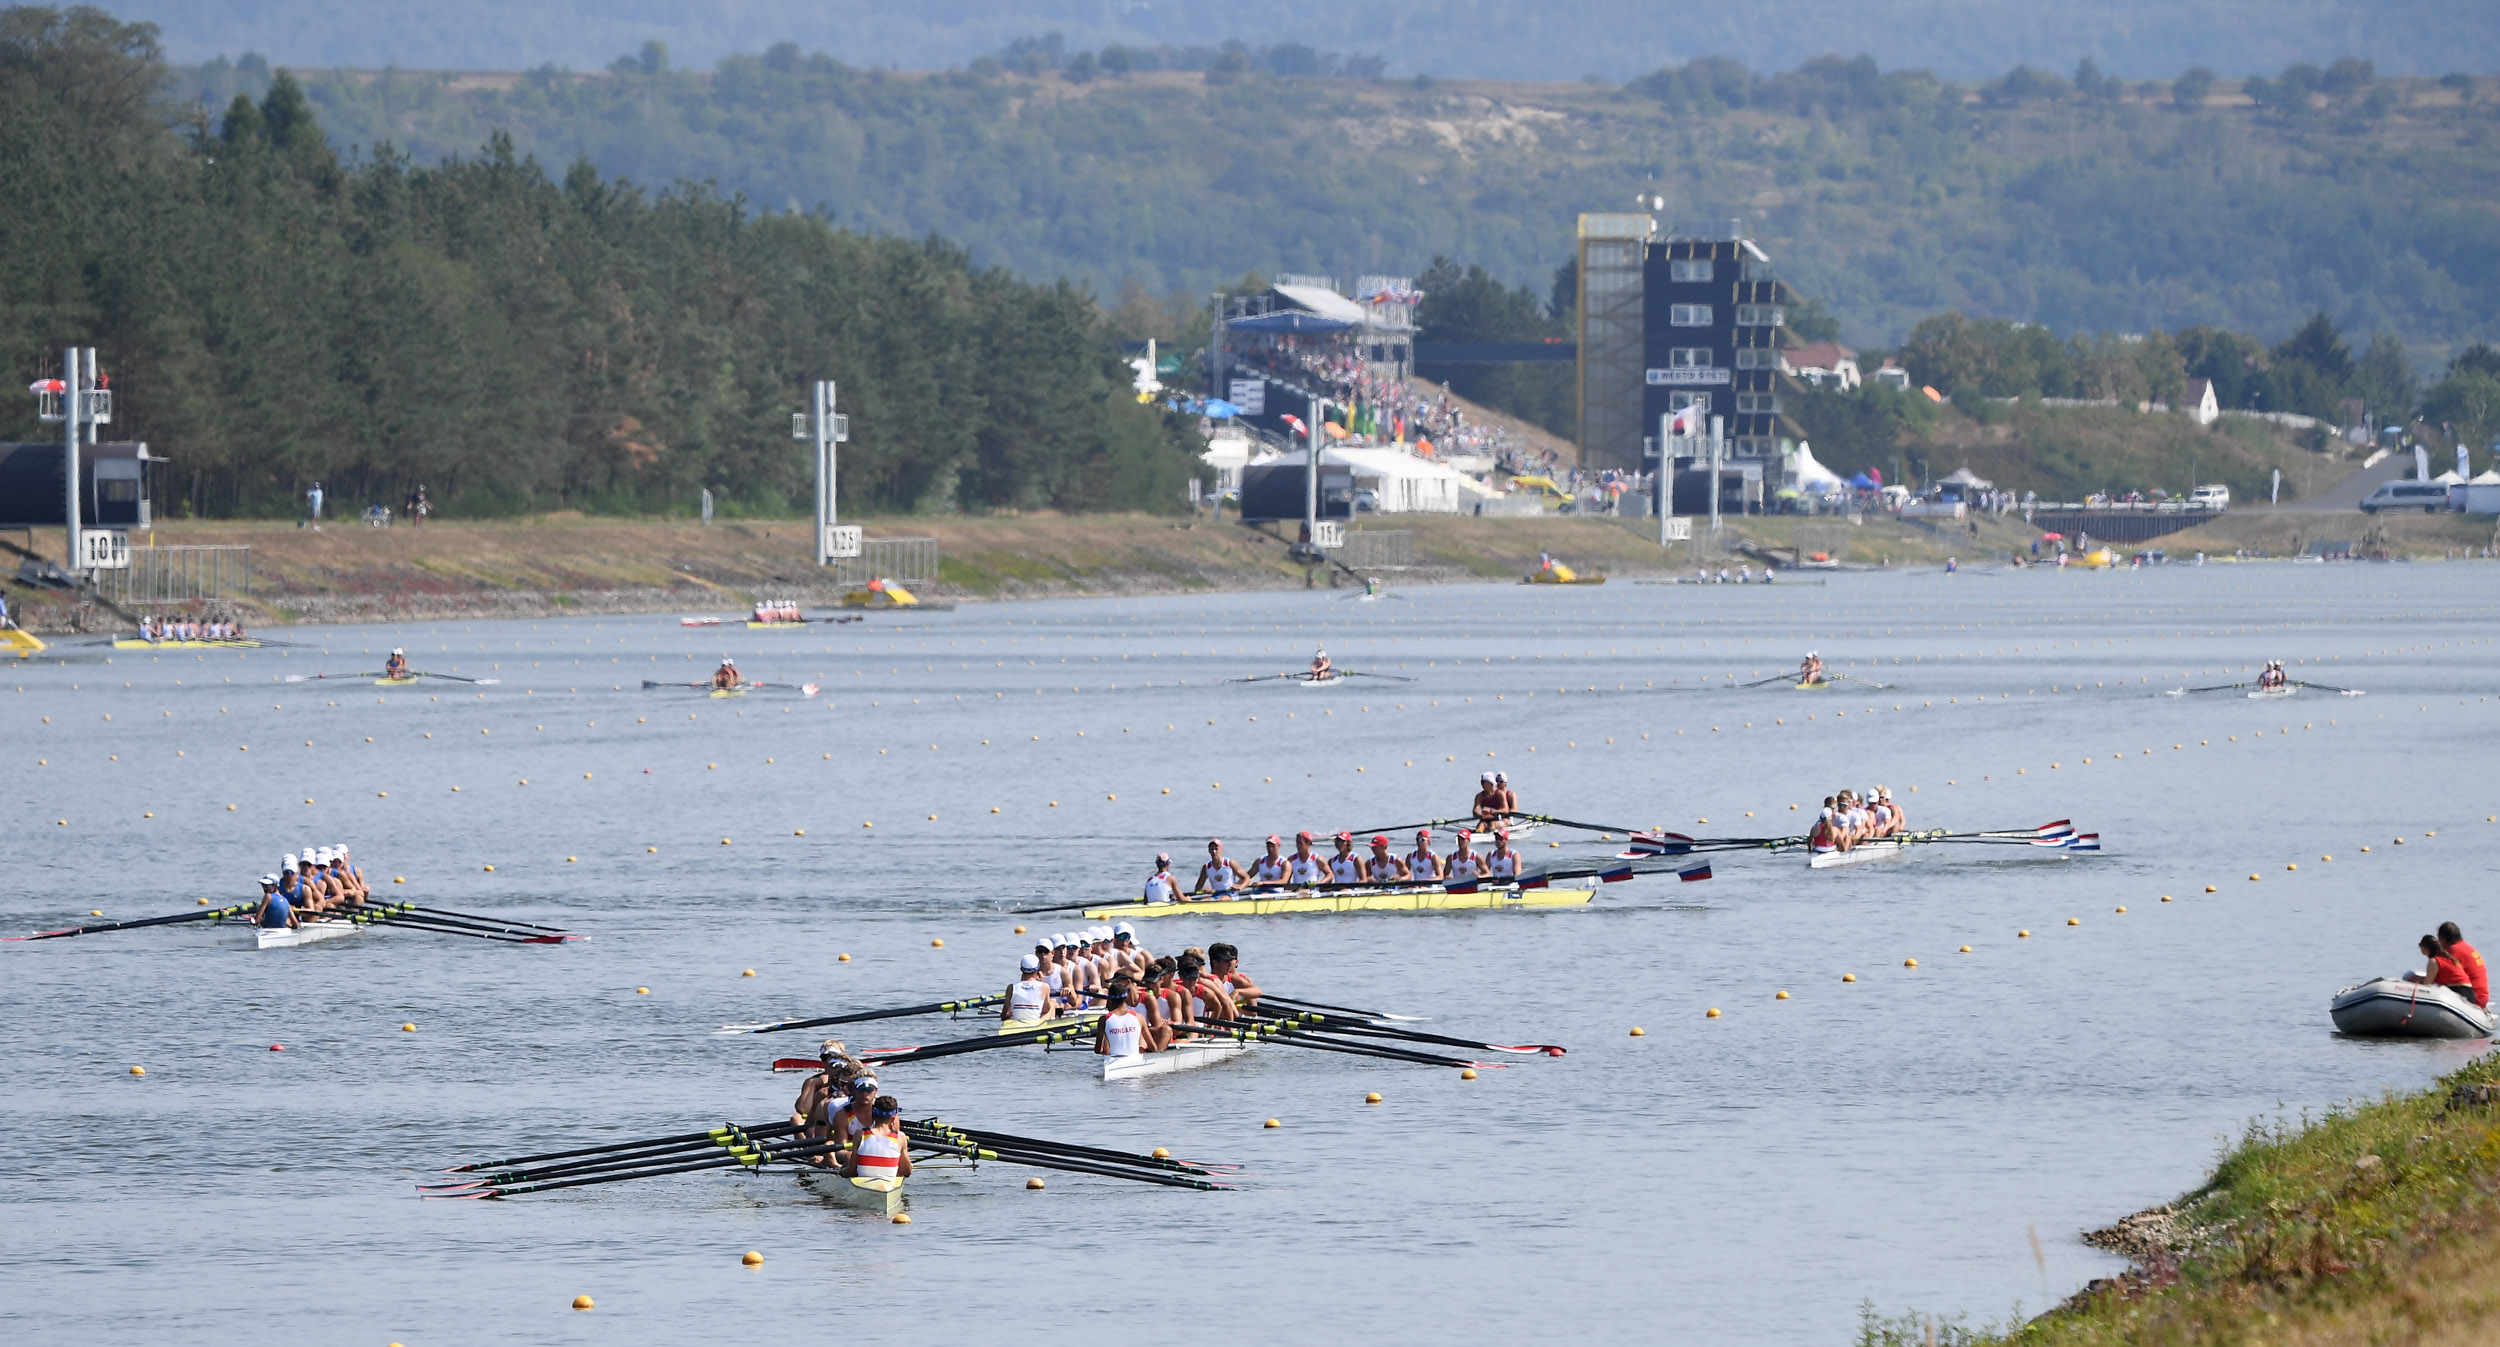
[1691, 314]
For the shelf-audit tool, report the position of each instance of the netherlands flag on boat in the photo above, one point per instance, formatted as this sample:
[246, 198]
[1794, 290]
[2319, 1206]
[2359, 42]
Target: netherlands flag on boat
[1701, 871]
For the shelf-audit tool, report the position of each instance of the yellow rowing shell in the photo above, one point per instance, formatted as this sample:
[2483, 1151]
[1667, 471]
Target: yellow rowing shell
[1289, 903]
[1075, 1021]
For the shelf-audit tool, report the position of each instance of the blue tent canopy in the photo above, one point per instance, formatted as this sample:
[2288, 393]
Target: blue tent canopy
[1862, 482]
[1289, 322]
[1219, 408]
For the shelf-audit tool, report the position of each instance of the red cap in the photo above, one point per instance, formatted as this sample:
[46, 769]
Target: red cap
[1423, 832]
[1345, 837]
[1303, 836]
[1380, 841]
[1274, 838]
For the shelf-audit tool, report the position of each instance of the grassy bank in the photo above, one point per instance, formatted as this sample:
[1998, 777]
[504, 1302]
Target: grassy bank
[2374, 1224]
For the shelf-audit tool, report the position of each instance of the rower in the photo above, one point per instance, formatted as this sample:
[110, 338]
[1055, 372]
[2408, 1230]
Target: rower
[358, 892]
[1899, 817]
[1510, 798]
[2468, 961]
[273, 912]
[1225, 962]
[1121, 1032]
[397, 665]
[1504, 862]
[1810, 672]
[1219, 875]
[1305, 867]
[1029, 998]
[1422, 866]
[1488, 802]
[1380, 867]
[1046, 959]
[1161, 1002]
[1270, 870]
[882, 1152]
[291, 883]
[1320, 667]
[726, 676]
[846, 1124]
[1208, 994]
[1124, 943]
[1162, 886]
[1463, 863]
[824, 1091]
[1345, 867]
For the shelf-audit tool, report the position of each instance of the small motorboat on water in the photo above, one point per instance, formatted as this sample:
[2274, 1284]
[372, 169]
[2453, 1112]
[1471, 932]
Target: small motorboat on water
[2395, 1008]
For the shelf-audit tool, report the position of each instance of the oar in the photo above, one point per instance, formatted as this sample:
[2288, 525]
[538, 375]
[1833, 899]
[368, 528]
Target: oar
[314, 678]
[1271, 998]
[635, 1158]
[1346, 1025]
[2218, 687]
[2322, 687]
[1256, 1033]
[1762, 682]
[512, 923]
[210, 914]
[533, 935]
[1304, 676]
[862, 1016]
[1033, 1161]
[1853, 678]
[959, 1047]
[417, 922]
[709, 1133]
[935, 1128]
[453, 678]
[753, 1160]
[1364, 673]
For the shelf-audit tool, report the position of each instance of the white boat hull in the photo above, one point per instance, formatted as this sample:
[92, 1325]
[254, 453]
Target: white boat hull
[2395, 1008]
[1182, 1056]
[288, 937]
[882, 1196]
[1877, 850]
[2272, 694]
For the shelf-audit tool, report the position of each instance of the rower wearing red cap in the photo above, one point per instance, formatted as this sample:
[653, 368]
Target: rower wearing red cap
[1504, 862]
[1271, 870]
[1345, 867]
[1422, 866]
[1220, 874]
[1380, 867]
[1163, 886]
[1463, 863]
[1305, 867]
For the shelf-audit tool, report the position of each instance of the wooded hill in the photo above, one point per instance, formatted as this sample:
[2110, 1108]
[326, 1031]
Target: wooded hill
[271, 315]
[2084, 203]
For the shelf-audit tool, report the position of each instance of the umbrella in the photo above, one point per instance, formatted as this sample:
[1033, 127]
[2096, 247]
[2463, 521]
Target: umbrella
[1219, 407]
[1862, 482]
[2052, 537]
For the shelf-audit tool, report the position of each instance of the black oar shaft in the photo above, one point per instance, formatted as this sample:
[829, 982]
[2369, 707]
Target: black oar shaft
[209, 914]
[988, 1138]
[863, 1016]
[706, 1134]
[491, 921]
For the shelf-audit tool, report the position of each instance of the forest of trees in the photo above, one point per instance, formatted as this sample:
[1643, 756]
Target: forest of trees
[271, 314]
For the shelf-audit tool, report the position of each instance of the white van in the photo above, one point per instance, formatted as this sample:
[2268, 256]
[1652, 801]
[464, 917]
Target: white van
[2406, 494]
[2213, 497]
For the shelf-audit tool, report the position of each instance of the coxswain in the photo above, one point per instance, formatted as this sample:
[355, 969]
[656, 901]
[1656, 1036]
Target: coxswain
[1463, 863]
[1121, 1032]
[397, 665]
[1305, 867]
[1422, 865]
[1345, 867]
[1029, 998]
[2468, 961]
[1380, 867]
[1504, 862]
[1271, 870]
[1224, 961]
[1220, 874]
[1163, 886]
[726, 676]
[882, 1152]
[1320, 667]
[1488, 802]
[274, 911]
[1810, 672]
[1124, 943]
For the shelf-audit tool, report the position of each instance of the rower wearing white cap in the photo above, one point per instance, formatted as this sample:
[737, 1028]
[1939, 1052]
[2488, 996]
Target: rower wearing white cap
[1220, 874]
[1811, 671]
[397, 665]
[358, 891]
[1133, 956]
[1897, 817]
[274, 910]
[1510, 798]
[1163, 886]
[291, 881]
[1030, 999]
[1422, 865]
[1488, 805]
[726, 676]
[1321, 668]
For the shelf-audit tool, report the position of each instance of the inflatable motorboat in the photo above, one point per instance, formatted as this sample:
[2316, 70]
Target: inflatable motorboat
[2395, 1008]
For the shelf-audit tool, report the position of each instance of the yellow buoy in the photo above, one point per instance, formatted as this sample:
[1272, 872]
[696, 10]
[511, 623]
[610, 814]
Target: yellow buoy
[937, 944]
[1848, 977]
[138, 1070]
[2165, 897]
[2022, 935]
[1372, 1098]
[1273, 1123]
[569, 860]
[203, 902]
[2252, 879]
[2210, 888]
[902, 1218]
[1639, 1032]
[490, 869]
[1909, 963]
[2074, 921]
[1714, 1013]
[1162, 1153]
[2122, 909]
[581, 1302]
[1019, 930]
[1966, 948]
[752, 1259]
[842, 958]
[798, 832]
[2294, 866]
[642, 991]
[407, 1028]
[747, 974]
[1033, 1185]
[724, 841]
[1468, 1074]
[1782, 996]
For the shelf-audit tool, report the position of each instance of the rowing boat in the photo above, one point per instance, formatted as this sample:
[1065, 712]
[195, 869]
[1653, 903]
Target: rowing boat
[882, 1196]
[1875, 849]
[1075, 1021]
[2271, 694]
[313, 931]
[1183, 1056]
[1309, 900]
[1811, 687]
[394, 682]
[1309, 682]
[729, 692]
[784, 623]
[134, 643]
[1551, 578]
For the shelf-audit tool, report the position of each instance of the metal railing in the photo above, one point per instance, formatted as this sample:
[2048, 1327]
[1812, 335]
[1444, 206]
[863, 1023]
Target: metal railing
[909, 561]
[1377, 549]
[172, 575]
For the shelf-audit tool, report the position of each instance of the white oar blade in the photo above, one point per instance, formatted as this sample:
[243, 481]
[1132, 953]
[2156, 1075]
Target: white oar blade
[808, 689]
[487, 682]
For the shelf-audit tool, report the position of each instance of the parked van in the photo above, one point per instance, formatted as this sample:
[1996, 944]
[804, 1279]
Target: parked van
[2214, 497]
[2405, 494]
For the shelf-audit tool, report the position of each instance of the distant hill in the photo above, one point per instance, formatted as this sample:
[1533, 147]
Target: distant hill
[1887, 195]
[1610, 39]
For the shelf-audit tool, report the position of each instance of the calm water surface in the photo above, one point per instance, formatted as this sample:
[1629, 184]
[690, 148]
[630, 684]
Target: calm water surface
[1747, 1179]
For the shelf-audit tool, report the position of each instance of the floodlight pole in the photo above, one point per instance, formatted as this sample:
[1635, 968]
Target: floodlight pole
[1662, 486]
[827, 428]
[1718, 452]
[72, 403]
[1310, 476]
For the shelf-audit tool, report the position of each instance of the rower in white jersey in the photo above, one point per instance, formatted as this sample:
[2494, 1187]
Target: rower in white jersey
[1220, 873]
[1030, 999]
[1422, 866]
[1345, 867]
[1463, 863]
[1124, 943]
[1504, 862]
[1163, 886]
[1380, 867]
[1305, 867]
[1121, 1032]
[1270, 870]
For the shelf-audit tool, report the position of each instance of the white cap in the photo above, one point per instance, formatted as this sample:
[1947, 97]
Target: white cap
[268, 879]
[1484, 776]
[1123, 929]
[726, 660]
[1031, 964]
[287, 862]
[398, 651]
